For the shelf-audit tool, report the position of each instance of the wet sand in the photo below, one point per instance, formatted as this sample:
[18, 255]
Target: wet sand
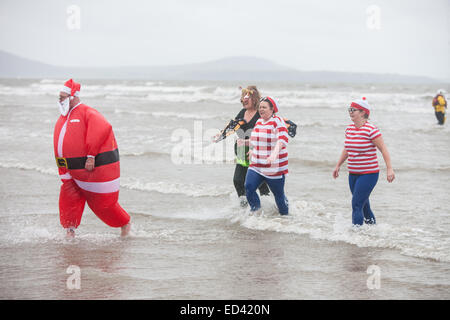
[189, 259]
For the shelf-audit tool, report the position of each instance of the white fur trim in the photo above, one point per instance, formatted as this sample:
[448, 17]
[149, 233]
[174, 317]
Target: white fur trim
[65, 176]
[99, 187]
[68, 90]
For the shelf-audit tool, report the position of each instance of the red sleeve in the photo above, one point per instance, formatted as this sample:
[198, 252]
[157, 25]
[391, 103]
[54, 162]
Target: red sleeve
[374, 133]
[282, 132]
[97, 131]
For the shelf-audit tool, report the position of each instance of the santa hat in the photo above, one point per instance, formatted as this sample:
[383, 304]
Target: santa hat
[361, 104]
[72, 88]
[272, 103]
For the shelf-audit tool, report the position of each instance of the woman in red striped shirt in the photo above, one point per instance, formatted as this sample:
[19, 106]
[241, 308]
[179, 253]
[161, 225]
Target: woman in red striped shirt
[361, 142]
[268, 157]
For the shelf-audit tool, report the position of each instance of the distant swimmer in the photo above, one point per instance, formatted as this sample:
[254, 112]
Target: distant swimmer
[268, 157]
[440, 106]
[361, 142]
[87, 157]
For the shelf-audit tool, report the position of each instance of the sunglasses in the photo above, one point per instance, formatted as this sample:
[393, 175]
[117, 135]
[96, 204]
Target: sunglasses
[247, 91]
[353, 109]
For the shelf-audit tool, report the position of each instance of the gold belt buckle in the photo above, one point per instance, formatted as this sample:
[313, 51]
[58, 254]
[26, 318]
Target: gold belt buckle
[61, 162]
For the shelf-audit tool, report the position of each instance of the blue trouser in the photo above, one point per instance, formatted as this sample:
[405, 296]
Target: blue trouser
[252, 182]
[361, 186]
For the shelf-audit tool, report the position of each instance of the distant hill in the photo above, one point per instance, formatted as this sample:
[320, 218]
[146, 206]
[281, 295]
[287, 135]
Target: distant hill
[12, 66]
[227, 69]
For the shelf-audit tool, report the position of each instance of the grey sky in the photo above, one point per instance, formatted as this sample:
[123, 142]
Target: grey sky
[307, 35]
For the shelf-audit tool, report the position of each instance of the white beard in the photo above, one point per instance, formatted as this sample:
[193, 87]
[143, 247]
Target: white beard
[64, 106]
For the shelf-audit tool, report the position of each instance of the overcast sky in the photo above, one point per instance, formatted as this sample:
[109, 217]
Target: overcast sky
[397, 36]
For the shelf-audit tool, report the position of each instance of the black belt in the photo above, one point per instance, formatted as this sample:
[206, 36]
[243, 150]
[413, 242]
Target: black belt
[79, 163]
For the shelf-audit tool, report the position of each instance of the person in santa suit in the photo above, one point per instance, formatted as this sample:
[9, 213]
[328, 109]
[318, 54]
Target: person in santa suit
[87, 157]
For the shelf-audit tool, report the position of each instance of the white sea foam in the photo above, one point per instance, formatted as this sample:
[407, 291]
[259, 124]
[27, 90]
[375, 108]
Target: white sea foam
[24, 166]
[184, 115]
[51, 81]
[31, 234]
[37, 234]
[305, 97]
[191, 190]
[310, 218]
[316, 221]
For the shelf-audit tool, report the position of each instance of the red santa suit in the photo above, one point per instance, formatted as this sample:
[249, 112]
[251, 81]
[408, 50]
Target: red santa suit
[83, 133]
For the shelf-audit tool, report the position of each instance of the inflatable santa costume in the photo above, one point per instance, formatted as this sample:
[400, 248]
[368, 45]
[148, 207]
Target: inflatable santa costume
[82, 132]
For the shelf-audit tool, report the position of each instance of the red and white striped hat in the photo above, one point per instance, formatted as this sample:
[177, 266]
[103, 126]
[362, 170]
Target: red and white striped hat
[72, 88]
[272, 103]
[361, 104]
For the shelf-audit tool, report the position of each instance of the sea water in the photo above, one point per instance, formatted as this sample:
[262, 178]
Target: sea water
[190, 239]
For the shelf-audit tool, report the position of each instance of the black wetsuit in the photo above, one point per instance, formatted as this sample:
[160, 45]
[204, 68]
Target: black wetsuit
[240, 171]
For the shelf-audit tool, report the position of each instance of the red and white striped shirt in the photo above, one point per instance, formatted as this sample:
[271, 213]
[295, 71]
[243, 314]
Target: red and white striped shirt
[362, 152]
[264, 137]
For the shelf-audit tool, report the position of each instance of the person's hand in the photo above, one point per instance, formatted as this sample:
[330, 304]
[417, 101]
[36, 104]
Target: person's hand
[270, 159]
[390, 175]
[90, 164]
[249, 154]
[216, 137]
[240, 142]
[336, 172]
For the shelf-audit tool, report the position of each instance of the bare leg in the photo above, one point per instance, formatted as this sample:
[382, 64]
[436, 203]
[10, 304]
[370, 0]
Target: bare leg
[126, 230]
[70, 233]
